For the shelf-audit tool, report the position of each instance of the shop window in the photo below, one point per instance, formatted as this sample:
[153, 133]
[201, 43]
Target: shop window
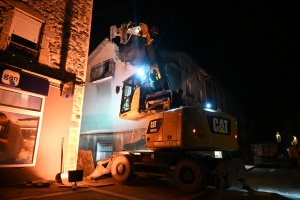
[19, 100]
[25, 32]
[24, 110]
[103, 70]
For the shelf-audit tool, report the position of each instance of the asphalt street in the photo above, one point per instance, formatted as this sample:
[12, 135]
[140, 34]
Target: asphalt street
[268, 183]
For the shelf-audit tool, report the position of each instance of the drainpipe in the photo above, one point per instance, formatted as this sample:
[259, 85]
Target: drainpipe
[207, 77]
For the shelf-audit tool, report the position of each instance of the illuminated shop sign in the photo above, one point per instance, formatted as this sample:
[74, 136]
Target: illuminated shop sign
[10, 77]
[24, 81]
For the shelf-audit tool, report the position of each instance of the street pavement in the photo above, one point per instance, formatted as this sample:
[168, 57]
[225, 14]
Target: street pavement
[57, 191]
[268, 183]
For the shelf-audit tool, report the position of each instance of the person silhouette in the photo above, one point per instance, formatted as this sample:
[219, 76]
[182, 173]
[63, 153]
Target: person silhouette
[11, 140]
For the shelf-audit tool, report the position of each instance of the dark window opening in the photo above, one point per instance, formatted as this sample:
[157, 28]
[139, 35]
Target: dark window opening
[103, 70]
[199, 79]
[23, 46]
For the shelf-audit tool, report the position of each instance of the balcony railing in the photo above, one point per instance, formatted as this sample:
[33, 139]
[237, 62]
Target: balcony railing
[22, 50]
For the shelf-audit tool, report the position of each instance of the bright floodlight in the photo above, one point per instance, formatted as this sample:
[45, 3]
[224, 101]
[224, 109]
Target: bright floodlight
[208, 105]
[140, 72]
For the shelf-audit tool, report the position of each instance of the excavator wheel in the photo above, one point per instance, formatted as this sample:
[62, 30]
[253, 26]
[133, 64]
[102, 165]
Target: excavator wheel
[122, 169]
[190, 176]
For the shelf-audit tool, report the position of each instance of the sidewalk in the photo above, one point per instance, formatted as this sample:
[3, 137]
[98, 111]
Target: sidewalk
[81, 193]
[58, 191]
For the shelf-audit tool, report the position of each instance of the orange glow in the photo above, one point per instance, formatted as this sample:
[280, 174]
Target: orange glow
[194, 130]
[235, 136]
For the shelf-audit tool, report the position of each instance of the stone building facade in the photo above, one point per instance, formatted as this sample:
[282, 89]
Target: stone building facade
[44, 45]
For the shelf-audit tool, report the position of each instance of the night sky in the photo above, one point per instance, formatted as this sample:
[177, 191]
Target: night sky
[251, 47]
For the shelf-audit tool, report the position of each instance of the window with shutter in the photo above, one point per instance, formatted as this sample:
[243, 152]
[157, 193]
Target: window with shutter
[24, 34]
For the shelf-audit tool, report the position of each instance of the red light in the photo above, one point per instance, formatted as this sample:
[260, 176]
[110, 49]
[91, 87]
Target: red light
[194, 130]
[235, 136]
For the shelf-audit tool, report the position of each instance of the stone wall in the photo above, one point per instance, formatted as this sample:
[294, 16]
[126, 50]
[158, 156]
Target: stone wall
[64, 46]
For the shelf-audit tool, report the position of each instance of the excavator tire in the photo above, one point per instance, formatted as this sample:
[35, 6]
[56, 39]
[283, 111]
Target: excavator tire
[190, 176]
[122, 169]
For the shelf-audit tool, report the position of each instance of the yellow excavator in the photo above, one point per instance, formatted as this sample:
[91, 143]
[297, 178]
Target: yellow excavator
[181, 140]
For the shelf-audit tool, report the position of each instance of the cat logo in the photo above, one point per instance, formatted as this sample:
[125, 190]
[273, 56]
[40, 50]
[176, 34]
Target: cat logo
[219, 125]
[10, 78]
[154, 126]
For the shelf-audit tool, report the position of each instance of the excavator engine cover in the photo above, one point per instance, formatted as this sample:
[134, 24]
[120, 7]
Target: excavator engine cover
[191, 128]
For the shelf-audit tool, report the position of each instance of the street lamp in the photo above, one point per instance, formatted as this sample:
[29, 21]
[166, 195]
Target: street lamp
[278, 137]
[294, 141]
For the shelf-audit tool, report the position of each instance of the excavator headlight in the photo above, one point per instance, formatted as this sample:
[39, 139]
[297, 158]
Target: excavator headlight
[140, 72]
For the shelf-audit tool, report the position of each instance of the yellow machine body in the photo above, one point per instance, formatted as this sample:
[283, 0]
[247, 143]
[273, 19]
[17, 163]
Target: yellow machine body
[191, 128]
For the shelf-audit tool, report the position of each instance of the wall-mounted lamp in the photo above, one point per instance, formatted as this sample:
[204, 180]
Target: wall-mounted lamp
[67, 89]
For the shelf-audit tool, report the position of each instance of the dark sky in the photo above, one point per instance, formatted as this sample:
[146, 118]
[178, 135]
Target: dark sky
[252, 47]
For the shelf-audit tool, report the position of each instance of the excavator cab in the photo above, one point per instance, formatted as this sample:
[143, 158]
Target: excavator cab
[130, 101]
[142, 96]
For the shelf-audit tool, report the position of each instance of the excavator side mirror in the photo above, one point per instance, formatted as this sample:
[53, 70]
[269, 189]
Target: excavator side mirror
[117, 89]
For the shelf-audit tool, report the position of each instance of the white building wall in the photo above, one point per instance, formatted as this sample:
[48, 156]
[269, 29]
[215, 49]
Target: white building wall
[101, 103]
